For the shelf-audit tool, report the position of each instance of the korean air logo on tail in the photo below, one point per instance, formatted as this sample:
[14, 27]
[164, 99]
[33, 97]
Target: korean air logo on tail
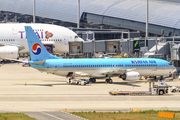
[36, 49]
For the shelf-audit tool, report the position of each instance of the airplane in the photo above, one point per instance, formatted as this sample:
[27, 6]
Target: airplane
[13, 38]
[126, 68]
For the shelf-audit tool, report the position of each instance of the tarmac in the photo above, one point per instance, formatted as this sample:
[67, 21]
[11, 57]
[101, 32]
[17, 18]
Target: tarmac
[24, 89]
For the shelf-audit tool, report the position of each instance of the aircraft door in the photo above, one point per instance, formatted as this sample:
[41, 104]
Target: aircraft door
[74, 49]
[56, 65]
[14, 30]
[110, 48]
[66, 39]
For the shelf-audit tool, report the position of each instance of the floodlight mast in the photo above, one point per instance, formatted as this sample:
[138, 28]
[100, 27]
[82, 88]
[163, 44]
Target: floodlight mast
[78, 14]
[34, 11]
[147, 17]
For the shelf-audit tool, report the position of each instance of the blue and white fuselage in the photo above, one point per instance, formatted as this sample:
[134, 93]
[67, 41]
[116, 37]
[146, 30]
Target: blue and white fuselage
[126, 68]
[99, 67]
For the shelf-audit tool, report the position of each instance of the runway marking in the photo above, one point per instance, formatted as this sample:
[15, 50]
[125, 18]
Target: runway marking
[52, 116]
[18, 109]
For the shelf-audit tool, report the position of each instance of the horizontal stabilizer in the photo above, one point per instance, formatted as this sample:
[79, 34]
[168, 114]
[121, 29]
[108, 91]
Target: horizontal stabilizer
[39, 62]
[23, 61]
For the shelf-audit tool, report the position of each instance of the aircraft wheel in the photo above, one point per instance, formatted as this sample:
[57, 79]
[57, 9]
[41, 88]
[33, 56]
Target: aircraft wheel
[94, 80]
[107, 80]
[77, 83]
[110, 81]
[161, 92]
[161, 78]
[91, 80]
[69, 80]
[173, 90]
[167, 91]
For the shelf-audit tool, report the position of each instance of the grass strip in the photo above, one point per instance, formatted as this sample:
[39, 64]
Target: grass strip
[144, 115]
[15, 116]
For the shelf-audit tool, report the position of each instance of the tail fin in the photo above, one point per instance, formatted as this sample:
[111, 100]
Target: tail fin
[36, 49]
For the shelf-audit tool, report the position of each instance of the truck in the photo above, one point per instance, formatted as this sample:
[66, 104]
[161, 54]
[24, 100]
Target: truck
[175, 89]
[160, 89]
[77, 81]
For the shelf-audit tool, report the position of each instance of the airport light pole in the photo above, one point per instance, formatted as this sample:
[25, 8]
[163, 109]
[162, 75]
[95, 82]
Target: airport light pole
[147, 17]
[34, 11]
[78, 15]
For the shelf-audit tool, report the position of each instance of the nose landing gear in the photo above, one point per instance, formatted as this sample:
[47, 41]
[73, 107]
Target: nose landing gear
[93, 80]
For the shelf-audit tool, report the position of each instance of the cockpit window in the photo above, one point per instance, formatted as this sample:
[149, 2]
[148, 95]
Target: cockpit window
[170, 64]
[76, 37]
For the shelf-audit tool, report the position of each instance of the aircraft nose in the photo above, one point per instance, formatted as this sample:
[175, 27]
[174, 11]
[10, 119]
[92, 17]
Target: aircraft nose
[78, 39]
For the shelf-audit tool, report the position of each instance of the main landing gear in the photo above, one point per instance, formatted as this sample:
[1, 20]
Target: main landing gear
[109, 80]
[93, 80]
[161, 77]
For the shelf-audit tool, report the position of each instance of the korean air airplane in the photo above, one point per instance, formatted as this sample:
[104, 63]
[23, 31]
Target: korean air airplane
[126, 68]
[54, 38]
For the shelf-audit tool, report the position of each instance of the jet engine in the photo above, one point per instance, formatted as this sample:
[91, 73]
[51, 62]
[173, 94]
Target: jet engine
[9, 52]
[131, 76]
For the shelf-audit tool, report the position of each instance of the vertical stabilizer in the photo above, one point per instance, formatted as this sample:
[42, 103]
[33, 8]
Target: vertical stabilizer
[36, 49]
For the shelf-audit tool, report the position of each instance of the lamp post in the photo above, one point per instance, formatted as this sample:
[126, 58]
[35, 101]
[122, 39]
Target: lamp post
[34, 11]
[147, 17]
[78, 14]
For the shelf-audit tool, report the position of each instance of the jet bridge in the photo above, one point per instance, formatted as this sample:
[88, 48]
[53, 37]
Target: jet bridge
[112, 47]
[162, 48]
[175, 56]
[76, 48]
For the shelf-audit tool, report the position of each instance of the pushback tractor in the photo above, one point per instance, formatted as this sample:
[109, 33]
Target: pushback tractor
[160, 89]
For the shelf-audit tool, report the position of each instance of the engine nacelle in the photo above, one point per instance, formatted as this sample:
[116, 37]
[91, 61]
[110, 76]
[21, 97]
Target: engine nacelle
[131, 76]
[9, 52]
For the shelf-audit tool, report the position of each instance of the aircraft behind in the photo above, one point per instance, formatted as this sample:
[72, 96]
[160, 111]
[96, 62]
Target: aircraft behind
[13, 38]
[126, 68]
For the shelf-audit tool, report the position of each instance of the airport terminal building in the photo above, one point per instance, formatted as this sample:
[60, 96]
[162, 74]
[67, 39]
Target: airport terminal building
[164, 17]
[128, 15]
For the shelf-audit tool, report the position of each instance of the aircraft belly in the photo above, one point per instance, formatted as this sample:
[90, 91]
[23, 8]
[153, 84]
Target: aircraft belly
[98, 72]
[154, 71]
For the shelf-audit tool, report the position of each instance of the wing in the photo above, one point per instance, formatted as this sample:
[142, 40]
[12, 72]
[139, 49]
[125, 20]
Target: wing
[118, 71]
[103, 73]
[20, 47]
[82, 74]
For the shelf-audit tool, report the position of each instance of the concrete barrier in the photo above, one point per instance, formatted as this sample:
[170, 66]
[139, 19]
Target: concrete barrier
[166, 114]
